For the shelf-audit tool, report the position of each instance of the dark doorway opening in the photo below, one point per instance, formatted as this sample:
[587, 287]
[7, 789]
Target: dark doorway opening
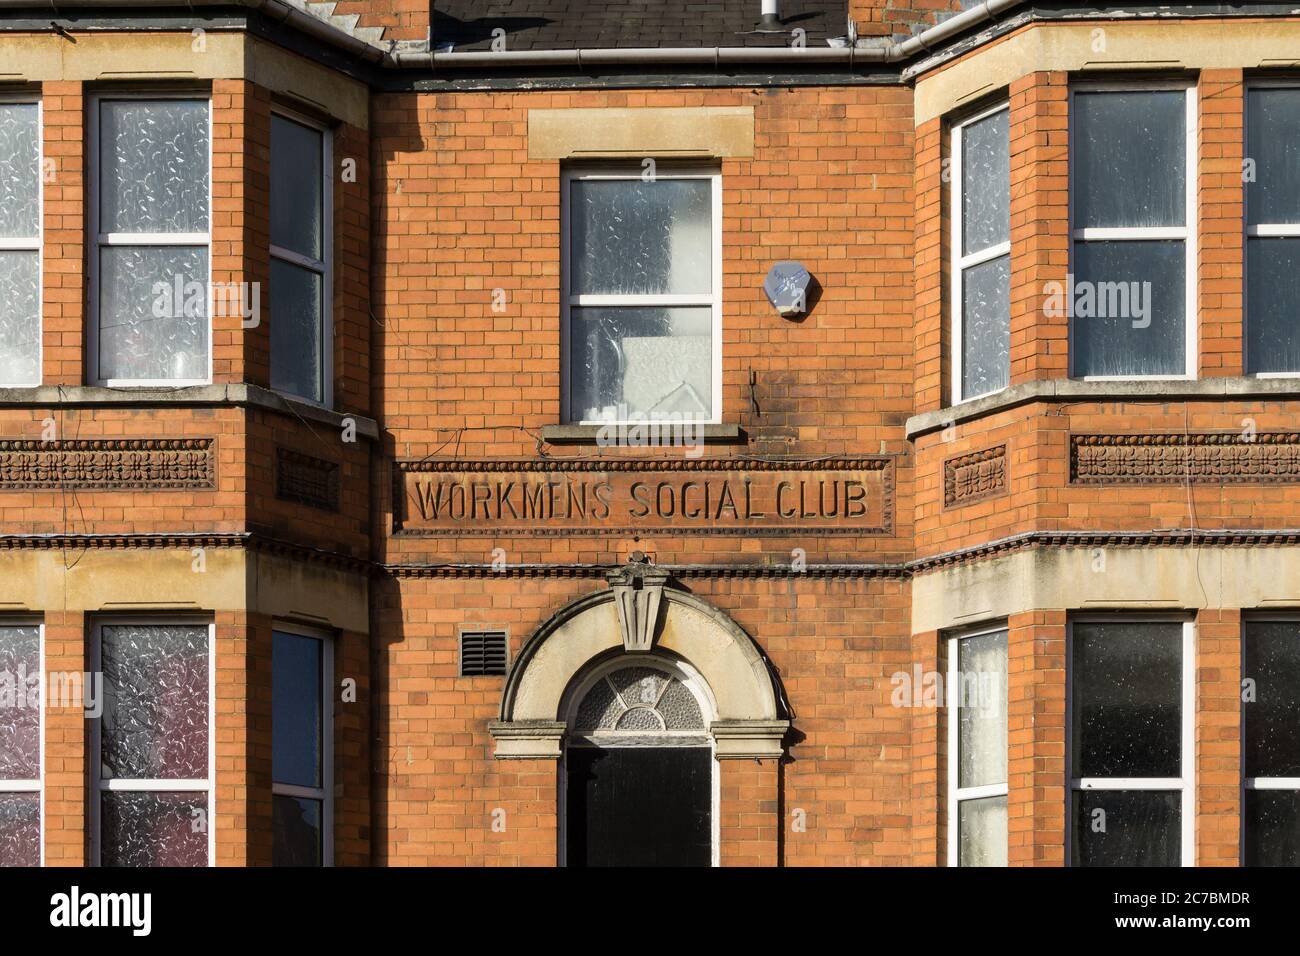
[639, 806]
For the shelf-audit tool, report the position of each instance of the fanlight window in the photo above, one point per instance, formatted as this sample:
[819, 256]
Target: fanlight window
[639, 700]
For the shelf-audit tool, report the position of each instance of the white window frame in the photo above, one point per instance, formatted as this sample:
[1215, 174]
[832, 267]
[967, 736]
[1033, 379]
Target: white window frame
[97, 240]
[956, 794]
[33, 786]
[325, 792]
[1186, 233]
[962, 263]
[207, 785]
[1185, 784]
[1259, 783]
[323, 267]
[1259, 231]
[568, 301]
[37, 243]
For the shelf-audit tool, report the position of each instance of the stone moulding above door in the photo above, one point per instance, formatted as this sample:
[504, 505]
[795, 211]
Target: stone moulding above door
[752, 715]
[638, 591]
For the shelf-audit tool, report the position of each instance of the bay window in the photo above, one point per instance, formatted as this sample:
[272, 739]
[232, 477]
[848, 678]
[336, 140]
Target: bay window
[1131, 746]
[21, 706]
[1271, 757]
[20, 242]
[151, 776]
[301, 237]
[1273, 230]
[981, 244]
[301, 748]
[641, 295]
[150, 220]
[1131, 298]
[977, 749]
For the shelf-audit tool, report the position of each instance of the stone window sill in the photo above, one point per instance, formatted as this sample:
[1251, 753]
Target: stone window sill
[591, 435]
[1078, 390]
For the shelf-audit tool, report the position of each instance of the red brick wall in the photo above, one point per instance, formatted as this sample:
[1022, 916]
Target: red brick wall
[1220, 203]
[1218, 737]
[465, 211]
[900, 18]
[401, 19]
[1040, 215]
[66, 770]
[1036, 735]
[830, 640]
[63, 259]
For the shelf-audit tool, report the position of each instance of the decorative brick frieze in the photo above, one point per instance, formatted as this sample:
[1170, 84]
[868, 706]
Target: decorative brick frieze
[1226, 458]
[974, 477]
[156, 464]
[306, 480]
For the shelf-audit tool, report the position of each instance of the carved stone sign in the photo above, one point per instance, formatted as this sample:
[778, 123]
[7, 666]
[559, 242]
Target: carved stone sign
[732, 496]
[1226, 458]
[107, 463]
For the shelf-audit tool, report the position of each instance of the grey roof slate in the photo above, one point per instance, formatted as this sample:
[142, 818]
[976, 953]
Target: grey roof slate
[604, 24]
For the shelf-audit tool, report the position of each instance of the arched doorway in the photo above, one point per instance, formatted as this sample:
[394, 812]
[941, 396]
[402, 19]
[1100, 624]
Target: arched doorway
[639, 784]
[565, 697]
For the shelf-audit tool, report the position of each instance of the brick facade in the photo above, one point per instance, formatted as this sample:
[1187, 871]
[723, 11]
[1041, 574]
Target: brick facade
[447, 346]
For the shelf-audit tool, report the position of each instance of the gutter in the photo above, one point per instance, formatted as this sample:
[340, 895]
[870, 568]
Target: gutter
[281, 12]
[890, 52]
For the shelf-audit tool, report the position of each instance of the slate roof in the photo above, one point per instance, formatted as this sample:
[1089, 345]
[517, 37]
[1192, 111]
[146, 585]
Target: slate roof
[567, 24]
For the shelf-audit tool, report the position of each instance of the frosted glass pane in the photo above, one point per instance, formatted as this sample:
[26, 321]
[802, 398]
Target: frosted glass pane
[630, 236]
[986, 327]
[20, 318]
[153, 165]
[599, 709]
[639, 719]
[1127, 828]
[1273, 305]
[1127, 681]
[147, 331]
[982, 832]
[679, 708]
[1130, 158]
[20, 703]
[1130, 308]
[296, 307]
[986, 183]
[639, 685]
[297, 221]
[1273, 142]
[1272, 661]
[641, 364]
[19, 171]
[981, 699]
[297, 832]
[1272, 827]
[20, 829]
[155, 722]
[296, 710]
[154, 829]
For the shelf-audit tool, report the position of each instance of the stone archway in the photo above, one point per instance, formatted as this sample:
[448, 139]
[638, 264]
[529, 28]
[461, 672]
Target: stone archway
[638, 613]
